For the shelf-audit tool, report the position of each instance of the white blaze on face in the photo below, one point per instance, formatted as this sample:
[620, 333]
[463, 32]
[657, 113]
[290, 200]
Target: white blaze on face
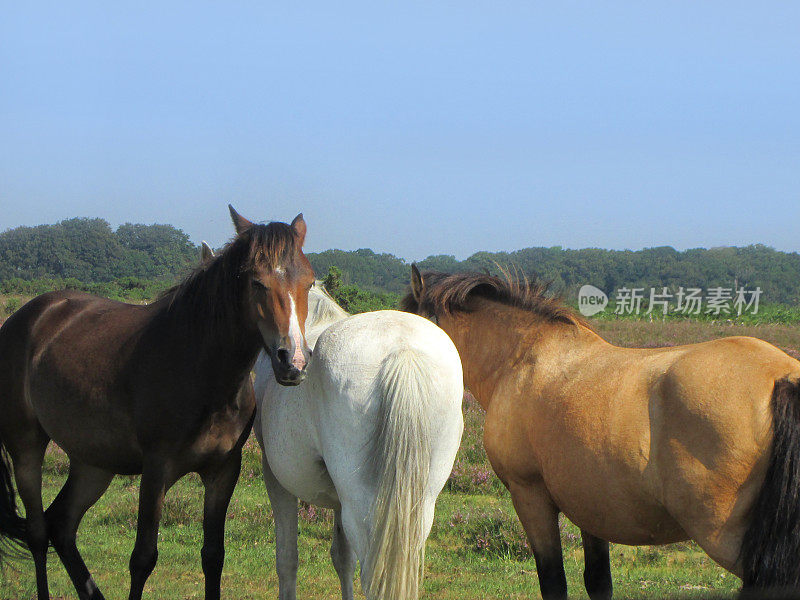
[298, 358]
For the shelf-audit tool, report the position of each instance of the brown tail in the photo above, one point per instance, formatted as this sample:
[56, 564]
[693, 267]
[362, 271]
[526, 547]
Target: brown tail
[12, 525]
[771, 547]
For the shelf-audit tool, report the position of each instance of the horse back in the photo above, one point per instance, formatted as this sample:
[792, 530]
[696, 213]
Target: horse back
[62, 359]
[351, 362]
[653, 429]
[33, 329]
[352, 352]
[318, 436]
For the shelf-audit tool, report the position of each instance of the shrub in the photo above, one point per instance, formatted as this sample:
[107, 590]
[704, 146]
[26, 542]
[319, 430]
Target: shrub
[494, 533]
[12, 304]
[472, 479]
[314, 514]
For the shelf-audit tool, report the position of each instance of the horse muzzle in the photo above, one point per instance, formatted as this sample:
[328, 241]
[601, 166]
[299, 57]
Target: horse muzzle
[287, 368]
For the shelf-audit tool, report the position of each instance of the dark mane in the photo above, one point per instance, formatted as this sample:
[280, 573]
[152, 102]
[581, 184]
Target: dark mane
[213, 291]
[450, 293]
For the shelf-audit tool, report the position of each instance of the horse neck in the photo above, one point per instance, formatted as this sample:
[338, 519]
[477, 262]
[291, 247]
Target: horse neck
[220, 350]
[495, 340]
[323, 309]
[323, 312]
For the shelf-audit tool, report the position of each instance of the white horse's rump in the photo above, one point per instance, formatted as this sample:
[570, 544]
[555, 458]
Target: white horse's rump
[372, 433]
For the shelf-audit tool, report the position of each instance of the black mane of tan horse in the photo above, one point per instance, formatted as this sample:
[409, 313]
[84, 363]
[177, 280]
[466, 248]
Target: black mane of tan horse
[634, 445]
[162, 390]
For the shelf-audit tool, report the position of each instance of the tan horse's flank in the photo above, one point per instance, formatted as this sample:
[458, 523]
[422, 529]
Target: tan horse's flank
[635, 446]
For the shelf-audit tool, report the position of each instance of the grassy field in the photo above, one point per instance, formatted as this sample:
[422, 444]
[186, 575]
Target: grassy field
[476, 549]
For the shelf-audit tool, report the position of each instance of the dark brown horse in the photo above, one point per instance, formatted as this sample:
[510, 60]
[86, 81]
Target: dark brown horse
[161, 390]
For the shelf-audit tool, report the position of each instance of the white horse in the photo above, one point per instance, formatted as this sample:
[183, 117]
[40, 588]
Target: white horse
[371, 433]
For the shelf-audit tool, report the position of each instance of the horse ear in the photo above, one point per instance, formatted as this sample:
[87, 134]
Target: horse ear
[417, 283]
[239, 222]
[206, 253]
[299, 226]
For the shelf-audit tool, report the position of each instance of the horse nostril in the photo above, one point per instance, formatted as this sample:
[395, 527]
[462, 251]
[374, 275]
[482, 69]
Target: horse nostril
[283, 355]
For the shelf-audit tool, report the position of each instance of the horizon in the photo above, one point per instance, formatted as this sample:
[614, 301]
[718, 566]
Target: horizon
[414, 130]
[216, 248]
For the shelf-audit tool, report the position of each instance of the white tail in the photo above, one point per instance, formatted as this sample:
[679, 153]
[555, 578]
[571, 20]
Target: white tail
[403, 458]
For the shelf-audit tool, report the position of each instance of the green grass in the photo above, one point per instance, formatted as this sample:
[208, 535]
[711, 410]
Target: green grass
[476, 549]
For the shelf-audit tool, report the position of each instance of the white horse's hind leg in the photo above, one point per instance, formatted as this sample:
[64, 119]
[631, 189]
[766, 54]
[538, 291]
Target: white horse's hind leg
[284, 509]
[343, 557]
[356, 525]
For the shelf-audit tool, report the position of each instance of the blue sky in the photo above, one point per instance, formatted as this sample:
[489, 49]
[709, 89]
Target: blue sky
[414, 128]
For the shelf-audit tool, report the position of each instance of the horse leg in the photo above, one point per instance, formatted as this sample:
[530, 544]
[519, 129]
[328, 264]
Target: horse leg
[597, 572]
[343, 557]
[28, 475]
[151, 501]
[355, 519]
[84, 486]
[284, 510]
[539, 517]
[219, 484]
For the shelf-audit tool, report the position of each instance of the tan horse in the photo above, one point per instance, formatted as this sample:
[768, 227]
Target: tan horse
[634, 446]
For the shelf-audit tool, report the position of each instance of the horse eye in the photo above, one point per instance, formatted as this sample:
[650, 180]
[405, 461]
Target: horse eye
[311, 285]
[259, 285]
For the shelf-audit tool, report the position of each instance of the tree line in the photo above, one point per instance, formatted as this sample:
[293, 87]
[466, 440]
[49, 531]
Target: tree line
[135, 260]
[776, 273]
